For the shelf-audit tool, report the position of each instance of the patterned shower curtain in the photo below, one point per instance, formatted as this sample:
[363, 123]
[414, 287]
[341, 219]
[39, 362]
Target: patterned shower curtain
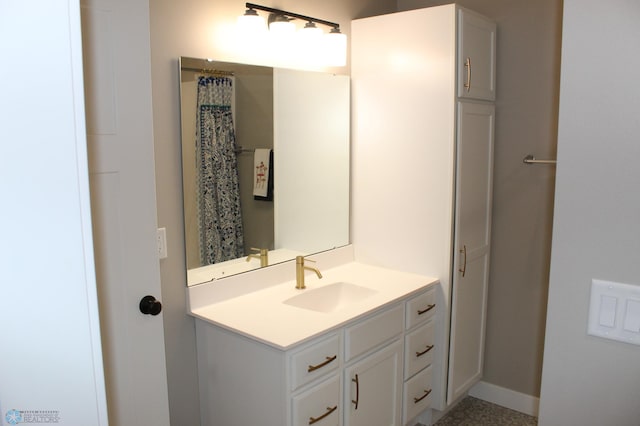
[219, 215]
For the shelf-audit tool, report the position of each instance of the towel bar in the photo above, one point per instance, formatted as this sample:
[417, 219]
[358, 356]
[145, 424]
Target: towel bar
[530, 159]
[240, 149]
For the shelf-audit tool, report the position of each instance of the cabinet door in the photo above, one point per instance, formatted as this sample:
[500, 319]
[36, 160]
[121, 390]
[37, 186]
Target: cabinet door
[373, 389]
[476, 56]
[475, 133]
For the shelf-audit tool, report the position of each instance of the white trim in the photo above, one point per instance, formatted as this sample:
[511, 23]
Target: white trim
[508, 398]
[84, 198]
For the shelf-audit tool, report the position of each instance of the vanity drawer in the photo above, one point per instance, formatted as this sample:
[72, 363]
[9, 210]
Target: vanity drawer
[421, 308]
[319, 405]
[315, 361]
[418, 349]
[373, 331]
[417, 394]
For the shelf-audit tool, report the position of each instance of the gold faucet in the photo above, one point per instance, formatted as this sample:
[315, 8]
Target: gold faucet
[300, 267]
[262, 254]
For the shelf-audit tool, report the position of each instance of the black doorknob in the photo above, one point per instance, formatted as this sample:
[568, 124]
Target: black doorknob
[150, 306]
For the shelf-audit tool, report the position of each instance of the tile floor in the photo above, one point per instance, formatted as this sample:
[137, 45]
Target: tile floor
[476, 412]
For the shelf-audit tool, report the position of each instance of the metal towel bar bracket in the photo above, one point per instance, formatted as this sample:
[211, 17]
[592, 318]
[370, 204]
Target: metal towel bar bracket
[530, 159]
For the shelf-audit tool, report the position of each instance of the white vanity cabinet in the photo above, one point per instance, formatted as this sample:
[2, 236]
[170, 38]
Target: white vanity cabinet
[422, 160]
[353, 375]
[246, 382]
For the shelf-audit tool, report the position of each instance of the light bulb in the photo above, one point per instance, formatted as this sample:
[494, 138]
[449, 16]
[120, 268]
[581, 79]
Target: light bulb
[309, 45]
[282, 26]
[310, 32]
[335, 48]
[251, 23]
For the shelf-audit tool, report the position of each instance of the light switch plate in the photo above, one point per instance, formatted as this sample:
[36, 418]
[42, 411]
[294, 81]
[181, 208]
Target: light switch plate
[162, 243]
[632, 316]
[608, 309]
[614, 311]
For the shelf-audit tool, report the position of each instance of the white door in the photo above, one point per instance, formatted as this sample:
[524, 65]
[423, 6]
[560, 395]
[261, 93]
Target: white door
[472, 242]
[120, 143]
[373, 395]
[51, 368]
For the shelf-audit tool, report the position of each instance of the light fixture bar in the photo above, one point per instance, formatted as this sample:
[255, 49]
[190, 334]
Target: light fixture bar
[292, 15]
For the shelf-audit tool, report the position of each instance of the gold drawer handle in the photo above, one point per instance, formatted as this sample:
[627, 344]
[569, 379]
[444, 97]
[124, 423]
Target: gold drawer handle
[419, 354]
[424, 311]
[464, 267]
[315, 367]
[467, 65]
[329, 411]
[426, 393]
[357, 400]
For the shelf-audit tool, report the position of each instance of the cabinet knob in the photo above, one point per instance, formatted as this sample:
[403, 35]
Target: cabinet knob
[149, 305]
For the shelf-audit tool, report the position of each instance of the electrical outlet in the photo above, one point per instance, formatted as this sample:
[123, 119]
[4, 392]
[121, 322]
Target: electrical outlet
[162, 243]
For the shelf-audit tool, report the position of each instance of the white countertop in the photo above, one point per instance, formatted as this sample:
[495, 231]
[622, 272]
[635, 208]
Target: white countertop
[262, 315]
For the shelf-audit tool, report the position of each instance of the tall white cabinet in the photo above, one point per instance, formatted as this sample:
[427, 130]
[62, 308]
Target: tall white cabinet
[423, 83]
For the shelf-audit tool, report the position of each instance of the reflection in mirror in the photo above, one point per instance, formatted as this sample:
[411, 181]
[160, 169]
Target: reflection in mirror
[265, 158]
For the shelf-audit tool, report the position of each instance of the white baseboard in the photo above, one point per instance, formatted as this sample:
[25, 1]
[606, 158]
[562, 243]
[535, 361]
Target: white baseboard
[504, 397]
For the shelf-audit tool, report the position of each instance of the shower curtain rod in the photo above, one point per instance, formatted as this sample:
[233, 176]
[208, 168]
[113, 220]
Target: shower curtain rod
[240, 149]
[209, 71]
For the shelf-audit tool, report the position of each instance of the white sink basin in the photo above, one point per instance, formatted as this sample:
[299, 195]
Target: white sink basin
[331, 297]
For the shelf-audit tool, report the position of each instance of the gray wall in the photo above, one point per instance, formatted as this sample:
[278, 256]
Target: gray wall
[528, 63]
[587, 380]
[196, 28]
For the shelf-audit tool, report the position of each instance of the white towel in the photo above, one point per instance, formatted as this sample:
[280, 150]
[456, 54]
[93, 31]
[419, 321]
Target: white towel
[261, 167]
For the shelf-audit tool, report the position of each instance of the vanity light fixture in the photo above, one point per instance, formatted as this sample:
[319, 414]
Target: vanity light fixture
[328, 49]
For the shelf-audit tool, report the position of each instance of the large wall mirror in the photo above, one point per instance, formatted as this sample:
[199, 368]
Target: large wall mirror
[265, 161]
